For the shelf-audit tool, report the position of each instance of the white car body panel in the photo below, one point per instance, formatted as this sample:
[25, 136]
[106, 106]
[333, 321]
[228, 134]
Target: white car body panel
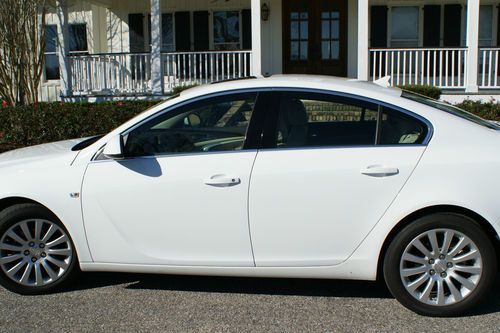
[335, 205]
[44, 174]
[160, 211]
[459, 167]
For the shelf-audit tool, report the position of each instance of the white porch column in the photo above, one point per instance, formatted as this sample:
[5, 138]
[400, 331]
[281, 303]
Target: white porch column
[63, 47]
[156, 67]
[256, 39]
[472, 45]
[363, 55]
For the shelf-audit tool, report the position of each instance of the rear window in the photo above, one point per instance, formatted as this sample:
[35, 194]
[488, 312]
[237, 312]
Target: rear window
[450, 109]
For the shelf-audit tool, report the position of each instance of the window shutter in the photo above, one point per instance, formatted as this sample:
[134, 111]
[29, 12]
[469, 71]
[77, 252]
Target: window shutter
[498, 28]
[453, 26]
[182, 31]
[201, 35]
[136, 32]
[378, 26]
[246, 17]
[432, 25]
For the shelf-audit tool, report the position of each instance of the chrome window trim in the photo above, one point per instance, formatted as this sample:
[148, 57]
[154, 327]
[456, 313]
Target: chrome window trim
[163, 156]
[341, 147]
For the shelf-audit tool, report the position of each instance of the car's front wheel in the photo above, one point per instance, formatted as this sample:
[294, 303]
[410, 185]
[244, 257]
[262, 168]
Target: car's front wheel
[37, 254]
[440, 265]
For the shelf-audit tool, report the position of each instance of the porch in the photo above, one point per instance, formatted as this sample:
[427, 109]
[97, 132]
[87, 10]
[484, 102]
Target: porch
[129, 74]
[445, 68]
[148, 47]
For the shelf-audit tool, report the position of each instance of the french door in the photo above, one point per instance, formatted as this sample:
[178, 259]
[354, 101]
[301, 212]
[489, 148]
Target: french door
[315, 37]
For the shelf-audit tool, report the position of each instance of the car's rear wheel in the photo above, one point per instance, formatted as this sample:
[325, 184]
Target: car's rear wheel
[440, 265]
[37, 254]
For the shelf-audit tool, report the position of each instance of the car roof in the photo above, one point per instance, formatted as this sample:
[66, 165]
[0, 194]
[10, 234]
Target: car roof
[330, 83]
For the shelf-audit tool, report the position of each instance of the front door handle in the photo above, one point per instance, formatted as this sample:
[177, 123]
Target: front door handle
[380, 171]
[222, 181]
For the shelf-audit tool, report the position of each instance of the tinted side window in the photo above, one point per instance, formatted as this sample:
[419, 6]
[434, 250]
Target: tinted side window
[216, 124]
[397, 128]
[309, 119]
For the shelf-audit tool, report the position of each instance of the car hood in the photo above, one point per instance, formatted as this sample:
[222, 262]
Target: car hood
[61, 149]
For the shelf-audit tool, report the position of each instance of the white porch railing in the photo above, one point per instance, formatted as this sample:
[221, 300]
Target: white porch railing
[130, 73]
[489, 70]
[187, 68]
[113, 73]
[441, 67]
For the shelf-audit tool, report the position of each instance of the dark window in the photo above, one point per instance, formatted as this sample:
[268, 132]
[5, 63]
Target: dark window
[330, 35]
[397, 128]
[77, 45]
[167, 33]
[405, 26]
[227, 30]
[320, 120]
[51, 58]
[52, 67]
[306, 119]
[299, 35]
[217, 124]
[50, 39]
[78, 38]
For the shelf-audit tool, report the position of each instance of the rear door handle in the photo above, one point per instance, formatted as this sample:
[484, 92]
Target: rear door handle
[222, 181]
[380, 171]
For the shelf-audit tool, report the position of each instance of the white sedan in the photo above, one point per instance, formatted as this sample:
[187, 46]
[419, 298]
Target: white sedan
[288, 176]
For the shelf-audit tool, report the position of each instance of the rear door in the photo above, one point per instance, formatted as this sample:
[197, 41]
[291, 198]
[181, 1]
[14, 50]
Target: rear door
[330, 168]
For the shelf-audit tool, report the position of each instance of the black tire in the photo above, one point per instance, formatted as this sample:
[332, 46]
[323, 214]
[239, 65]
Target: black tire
[21, 212]
[460, 223]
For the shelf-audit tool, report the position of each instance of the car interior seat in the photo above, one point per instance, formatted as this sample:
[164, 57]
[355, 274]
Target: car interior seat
[293, 123]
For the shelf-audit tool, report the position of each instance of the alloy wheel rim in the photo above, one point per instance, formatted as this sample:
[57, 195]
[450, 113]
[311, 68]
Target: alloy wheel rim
[441, 267]
[35, 252]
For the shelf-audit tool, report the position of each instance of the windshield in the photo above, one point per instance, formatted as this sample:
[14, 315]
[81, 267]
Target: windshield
[450, 109]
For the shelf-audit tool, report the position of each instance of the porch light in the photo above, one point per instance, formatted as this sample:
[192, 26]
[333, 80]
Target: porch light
[264, 12]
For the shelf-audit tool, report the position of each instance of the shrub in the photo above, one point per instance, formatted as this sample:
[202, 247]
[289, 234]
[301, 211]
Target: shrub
[429, 91]
[47, 122]
[489, 110]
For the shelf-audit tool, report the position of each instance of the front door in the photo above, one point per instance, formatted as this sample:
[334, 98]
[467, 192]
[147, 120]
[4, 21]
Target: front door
[180, 196]
[315, 37]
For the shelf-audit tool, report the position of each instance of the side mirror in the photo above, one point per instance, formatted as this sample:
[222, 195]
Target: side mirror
[114, 148]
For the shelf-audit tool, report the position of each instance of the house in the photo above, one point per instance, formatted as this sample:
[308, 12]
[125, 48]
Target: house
[141, 48]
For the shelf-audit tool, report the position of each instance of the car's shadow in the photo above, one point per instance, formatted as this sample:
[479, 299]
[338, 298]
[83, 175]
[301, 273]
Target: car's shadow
[258, 286]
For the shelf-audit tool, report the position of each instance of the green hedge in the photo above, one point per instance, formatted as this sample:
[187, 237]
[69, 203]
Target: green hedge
[489, 110]
[47, 122]
[429, 91]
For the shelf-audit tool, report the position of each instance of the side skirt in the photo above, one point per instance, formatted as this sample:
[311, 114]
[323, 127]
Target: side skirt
[348, 270]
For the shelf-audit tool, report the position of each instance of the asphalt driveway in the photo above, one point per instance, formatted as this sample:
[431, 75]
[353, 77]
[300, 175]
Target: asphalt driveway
[132, 302]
